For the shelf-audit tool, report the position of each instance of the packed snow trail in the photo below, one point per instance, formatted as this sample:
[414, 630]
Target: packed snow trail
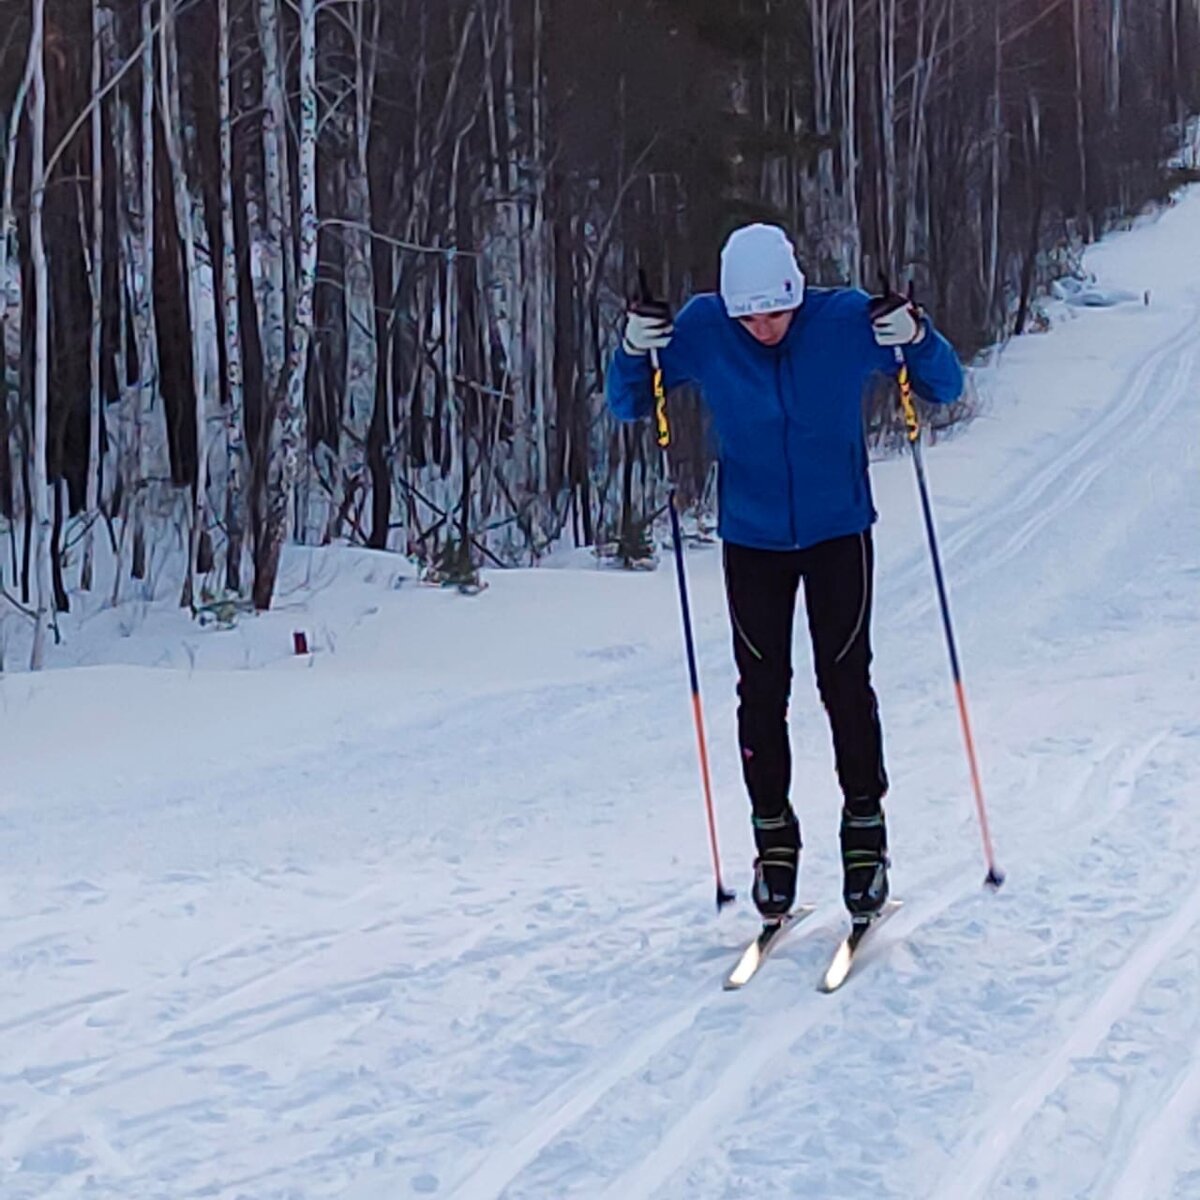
[429, 914]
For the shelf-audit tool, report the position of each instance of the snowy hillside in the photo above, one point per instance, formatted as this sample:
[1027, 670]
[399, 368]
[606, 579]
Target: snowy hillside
[428, 912]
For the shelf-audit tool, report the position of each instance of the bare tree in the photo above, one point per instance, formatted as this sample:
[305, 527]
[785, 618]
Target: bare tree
[235, 428]
[1084, 210]
[185, 221]
[41, 354]
[100, 16]
[147, 464]
[286, 452]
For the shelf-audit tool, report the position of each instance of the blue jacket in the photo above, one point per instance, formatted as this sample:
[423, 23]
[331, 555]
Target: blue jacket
[788, 418]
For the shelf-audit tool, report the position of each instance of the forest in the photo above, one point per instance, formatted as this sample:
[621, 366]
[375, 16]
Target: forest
[348, 271]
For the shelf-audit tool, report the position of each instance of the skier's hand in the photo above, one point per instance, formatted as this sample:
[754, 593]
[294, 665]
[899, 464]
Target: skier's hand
[896, 320]
[648, 326]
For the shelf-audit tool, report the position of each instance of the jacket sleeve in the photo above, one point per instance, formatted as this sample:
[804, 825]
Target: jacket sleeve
[937, 374]
[628, 385]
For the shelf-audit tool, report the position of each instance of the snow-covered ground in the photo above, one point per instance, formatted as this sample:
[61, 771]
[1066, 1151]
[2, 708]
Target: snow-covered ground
[429, 911]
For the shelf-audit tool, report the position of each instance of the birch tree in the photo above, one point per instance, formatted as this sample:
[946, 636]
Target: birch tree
[100, 17]
[1113, 89]
[276, 283]
[290, 433]
[147, 461]
[185, 221]
[887, 175]
[849, 141]
[235, 504]
[41, 354]
[361, 366]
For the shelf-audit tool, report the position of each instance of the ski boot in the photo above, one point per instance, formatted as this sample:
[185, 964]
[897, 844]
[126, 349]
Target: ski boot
[775, 868]
[864, 858]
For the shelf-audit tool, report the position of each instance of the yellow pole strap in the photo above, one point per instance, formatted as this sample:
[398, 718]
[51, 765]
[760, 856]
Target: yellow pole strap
[912, 422]
[660, 407]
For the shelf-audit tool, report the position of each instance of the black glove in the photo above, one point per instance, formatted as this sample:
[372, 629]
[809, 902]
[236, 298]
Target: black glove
[649, 323]
[896, 320]
[648, 326]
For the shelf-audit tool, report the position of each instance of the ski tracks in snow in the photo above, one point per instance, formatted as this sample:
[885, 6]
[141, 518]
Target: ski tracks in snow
[765, 1047]
[1002, 1125]
[998, 533]
[1149, 1171]
[769, 1040]
[1119, 790]
[759, 1036]
[568, 1104]
[741, 1043]
[208, 1026]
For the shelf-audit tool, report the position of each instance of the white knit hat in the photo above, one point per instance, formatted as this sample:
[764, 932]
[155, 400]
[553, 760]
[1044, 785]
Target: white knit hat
[759, 272]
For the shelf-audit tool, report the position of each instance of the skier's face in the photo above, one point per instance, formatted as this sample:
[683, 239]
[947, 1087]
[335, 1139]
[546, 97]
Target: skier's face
[768, 328]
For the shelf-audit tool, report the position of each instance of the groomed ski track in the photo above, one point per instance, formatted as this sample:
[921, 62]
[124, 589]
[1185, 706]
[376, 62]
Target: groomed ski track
[466, 948]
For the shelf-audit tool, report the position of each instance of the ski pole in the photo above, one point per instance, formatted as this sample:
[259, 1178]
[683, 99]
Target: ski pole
[724, 896]
[995, 877]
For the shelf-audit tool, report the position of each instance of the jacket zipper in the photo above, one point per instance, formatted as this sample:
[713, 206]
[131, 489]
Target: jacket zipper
[787, 458]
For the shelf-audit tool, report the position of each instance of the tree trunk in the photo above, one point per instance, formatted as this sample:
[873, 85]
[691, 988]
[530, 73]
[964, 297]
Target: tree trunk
[184, 217]
[235, 419]
[1036, 198]
[852, 234]
[92, 502]
[7, 232]
[541, 358]
[513, 305]
[1177, 105]
[1084, 209]
[992, 283]
[361, 369]
[1114, 58]
[148, 368]
[887, 118]
[291, 424]
[39, 500]
[276, 294]
[7, 212]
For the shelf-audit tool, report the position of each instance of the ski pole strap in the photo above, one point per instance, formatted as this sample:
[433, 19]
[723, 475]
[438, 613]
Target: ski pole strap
[912, 422]
[660, 407]
[662, 426]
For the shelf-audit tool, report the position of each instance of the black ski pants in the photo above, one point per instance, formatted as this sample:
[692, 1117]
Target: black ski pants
[761, 586]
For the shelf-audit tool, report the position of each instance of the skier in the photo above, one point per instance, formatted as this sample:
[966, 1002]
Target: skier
[783, 369]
